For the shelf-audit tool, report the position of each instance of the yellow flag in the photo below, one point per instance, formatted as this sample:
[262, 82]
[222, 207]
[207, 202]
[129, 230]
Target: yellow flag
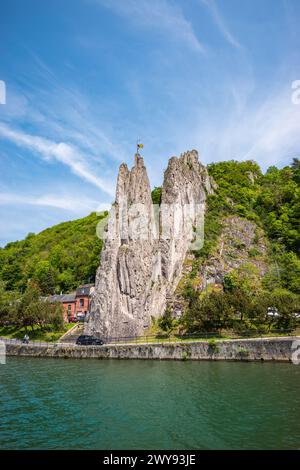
[140, 146]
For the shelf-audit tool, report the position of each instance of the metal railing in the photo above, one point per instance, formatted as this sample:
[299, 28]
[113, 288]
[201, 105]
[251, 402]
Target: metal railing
[166, 338]
[201, 336]
[30, 343]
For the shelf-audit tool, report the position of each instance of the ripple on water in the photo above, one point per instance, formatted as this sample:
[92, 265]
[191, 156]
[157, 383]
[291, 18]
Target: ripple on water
[93, 404]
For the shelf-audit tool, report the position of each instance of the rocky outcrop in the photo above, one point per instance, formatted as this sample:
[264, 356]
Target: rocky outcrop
[240, 251]
[241, 246]
[145, 246]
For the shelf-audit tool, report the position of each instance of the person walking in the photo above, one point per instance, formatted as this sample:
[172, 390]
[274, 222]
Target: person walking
[26, 338]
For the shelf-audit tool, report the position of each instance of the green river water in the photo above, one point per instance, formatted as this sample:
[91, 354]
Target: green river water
[111, 404]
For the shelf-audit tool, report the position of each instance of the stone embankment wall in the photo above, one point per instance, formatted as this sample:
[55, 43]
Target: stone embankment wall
[267, 349]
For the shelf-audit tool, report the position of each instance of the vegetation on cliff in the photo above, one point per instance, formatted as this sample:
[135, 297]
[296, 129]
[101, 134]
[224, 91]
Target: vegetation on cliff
[250, 258]
[156, 195]
[272, 202]
[57, 259]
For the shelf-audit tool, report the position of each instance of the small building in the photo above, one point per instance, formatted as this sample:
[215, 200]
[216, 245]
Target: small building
[76, 304]
[82, 302]
[69, 305]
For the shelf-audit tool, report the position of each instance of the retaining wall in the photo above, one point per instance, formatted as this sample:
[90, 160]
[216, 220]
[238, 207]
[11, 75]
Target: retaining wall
[267, 349]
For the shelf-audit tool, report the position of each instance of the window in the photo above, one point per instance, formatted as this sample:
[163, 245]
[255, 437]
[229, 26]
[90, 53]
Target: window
[69, 311]
[81, 302]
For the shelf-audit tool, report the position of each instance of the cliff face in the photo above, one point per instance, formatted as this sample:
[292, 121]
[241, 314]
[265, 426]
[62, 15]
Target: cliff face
[145, 245]
[240, 251]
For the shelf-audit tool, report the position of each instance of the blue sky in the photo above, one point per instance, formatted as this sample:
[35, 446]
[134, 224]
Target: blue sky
[86, 78]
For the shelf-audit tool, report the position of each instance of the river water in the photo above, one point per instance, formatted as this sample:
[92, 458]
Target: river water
[111, 404]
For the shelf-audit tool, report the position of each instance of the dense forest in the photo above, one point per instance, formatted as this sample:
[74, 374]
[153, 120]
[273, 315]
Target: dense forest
[269, 203]
[57, 259]
[272, 201]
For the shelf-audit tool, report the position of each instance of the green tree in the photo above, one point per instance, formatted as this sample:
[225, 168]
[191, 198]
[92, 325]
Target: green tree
[166, 321]
[8, 305]
[45, 277]
[156, 195]
[71, 249]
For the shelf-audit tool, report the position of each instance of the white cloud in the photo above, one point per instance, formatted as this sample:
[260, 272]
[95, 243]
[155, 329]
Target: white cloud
[158, 14]
[60, 111]
[23, 213]
[267, 131]
[71, 203]
[276, 126]
[62, 152]
[220, 22]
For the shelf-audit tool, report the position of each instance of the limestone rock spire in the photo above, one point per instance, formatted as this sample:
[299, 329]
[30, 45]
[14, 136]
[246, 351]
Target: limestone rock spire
[141, 262]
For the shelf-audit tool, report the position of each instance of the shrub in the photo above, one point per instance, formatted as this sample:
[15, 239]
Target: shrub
[243, 352]
[213, 347]
[156, 195]
[185, 356]
[166, 321]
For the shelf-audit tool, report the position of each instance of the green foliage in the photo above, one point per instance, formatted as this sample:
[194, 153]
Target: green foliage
[47, 333]
[230, 282]
[235, 194]
[240, 309]
[296, 169]
[45, 277]
[238, 183]
[8, 304]
[253, 252]
[284, 272]
[272, 201]
[212, 226]
[156, 195]
[208, 313]
[286, 304]
[213, 347]
[166, 321]
[29, 309]
[243, 352]
[246, 277]
[57, 259]
[185, 355]
[278, 205]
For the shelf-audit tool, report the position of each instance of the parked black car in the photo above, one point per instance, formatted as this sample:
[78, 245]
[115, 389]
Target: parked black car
[87, 340]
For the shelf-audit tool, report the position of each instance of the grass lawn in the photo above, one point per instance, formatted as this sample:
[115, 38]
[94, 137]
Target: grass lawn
[37, 334]
[225, 335]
